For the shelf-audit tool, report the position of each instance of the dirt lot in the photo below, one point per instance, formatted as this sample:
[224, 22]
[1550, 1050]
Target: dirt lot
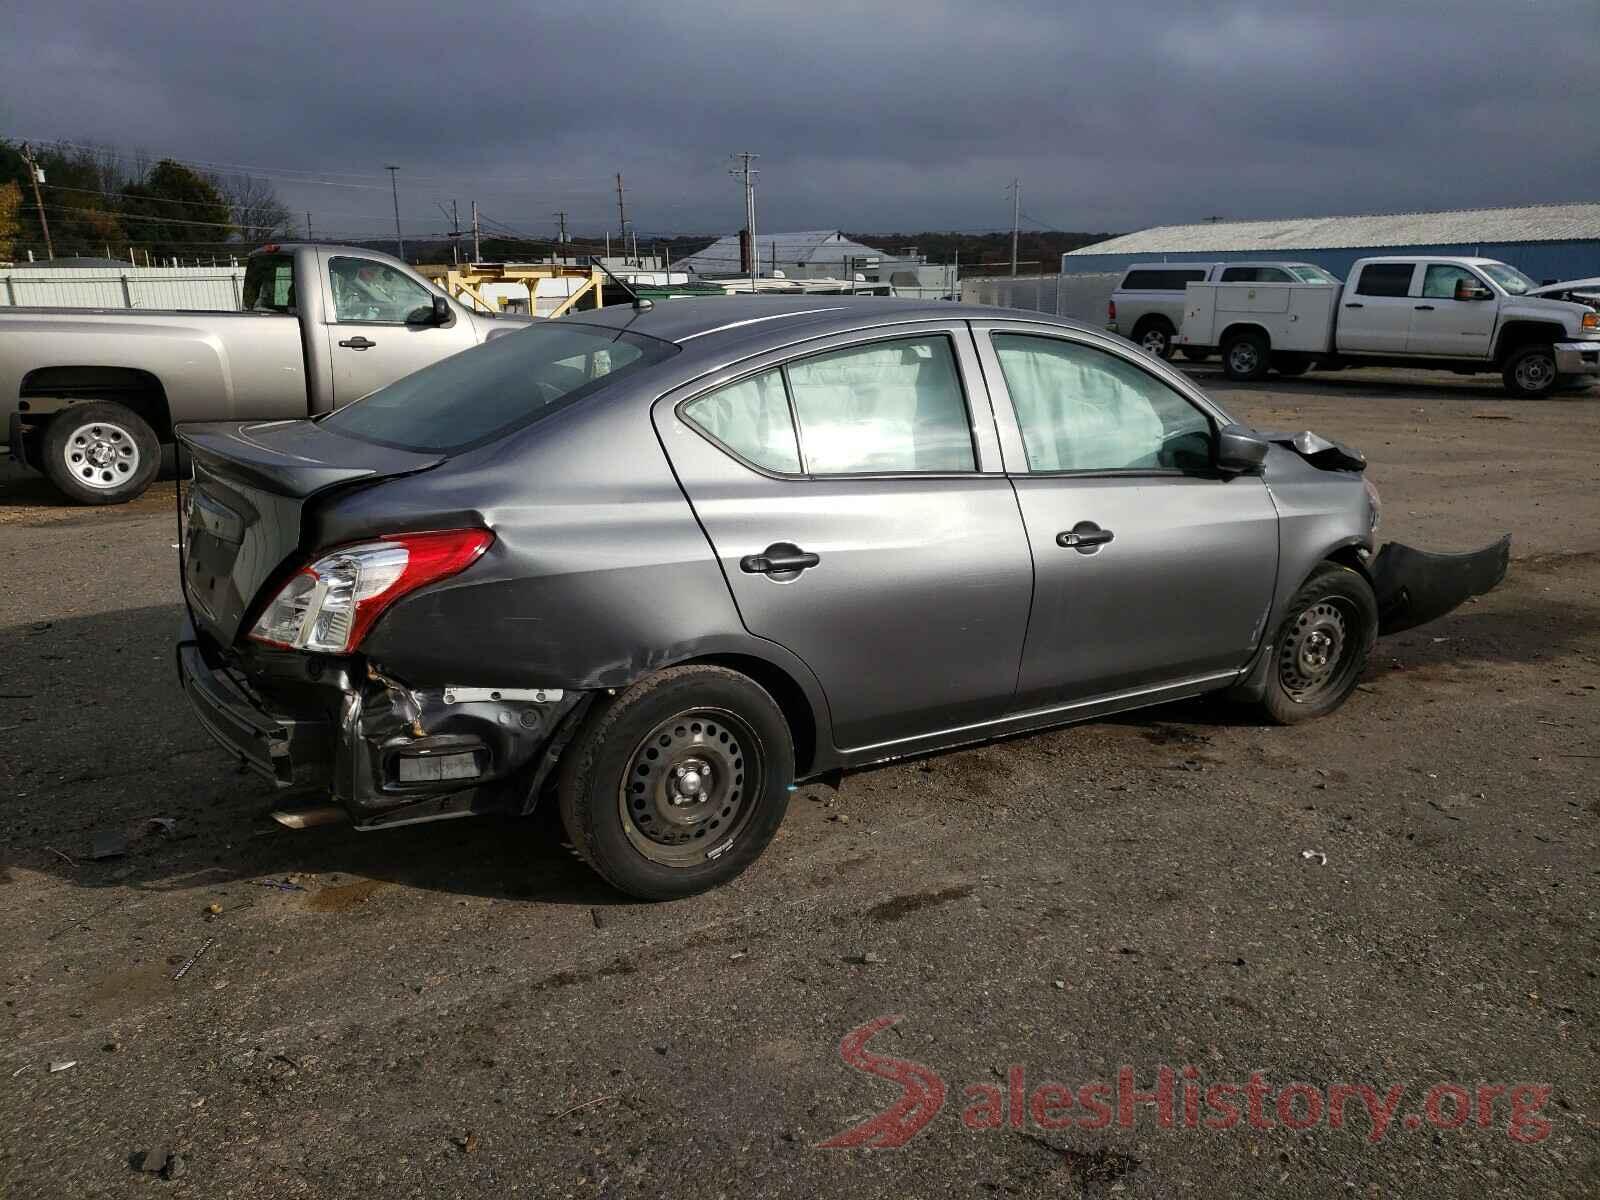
[460, 1009]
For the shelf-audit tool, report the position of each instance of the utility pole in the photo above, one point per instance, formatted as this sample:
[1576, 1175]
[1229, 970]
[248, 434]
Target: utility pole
[561, 222]
[1016, 215]
[477, 253]
[36, 174]
[309, 236]
[622, 218]
[395, 189]
[744, 172]
[455, 230]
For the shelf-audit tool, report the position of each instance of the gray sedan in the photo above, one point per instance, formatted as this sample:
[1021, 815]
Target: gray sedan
[660, 563]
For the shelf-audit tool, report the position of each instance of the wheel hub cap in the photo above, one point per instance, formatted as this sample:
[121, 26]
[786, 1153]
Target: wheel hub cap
[1312, 652]
[685, 789]
[101, 455]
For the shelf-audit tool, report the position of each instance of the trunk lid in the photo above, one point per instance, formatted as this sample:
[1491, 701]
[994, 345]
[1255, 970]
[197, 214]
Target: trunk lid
[240, 518]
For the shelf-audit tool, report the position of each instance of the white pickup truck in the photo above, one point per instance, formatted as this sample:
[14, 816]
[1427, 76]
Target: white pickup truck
[1465, 315]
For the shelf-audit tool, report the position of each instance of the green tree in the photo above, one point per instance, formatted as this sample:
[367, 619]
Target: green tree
[80, 198]
[176, 211]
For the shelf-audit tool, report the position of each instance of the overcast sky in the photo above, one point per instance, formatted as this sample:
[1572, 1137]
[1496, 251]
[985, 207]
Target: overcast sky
[889, 115]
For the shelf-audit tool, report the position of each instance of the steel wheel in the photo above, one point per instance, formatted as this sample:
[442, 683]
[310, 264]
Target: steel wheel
[1535, 372]
[1314, 657]
[101, 455]
[1154, 341]
[689, 785]
[1244, 358]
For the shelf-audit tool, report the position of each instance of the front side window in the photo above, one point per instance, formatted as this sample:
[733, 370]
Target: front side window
[374, 292]
[500, 386]
[1152, 280]
[1084, 409]
[884, 408]
[751, 418]
[269, 284]
[1385, 279]
[1256, 275]
[1439, 282]
[1310, 273]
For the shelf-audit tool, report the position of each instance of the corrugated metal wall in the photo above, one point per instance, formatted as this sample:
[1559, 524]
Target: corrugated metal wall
[1540, 260]
[207, 288]
[1081, 297]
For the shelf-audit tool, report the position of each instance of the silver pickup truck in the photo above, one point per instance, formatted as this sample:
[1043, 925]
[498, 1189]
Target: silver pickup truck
[93, 394]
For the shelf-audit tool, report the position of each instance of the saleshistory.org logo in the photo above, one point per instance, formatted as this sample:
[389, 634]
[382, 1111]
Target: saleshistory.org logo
[1177, 1098]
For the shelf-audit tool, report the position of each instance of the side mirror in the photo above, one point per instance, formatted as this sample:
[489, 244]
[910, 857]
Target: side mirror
[1467, 290]
[1240, 449]
[437, 314]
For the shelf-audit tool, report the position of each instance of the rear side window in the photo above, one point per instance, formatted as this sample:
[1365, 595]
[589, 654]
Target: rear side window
[1256, 275]
[269, 284]
[887, 408]
[1385, 279]
[752, 419]
[1166, 280]
[485, 393]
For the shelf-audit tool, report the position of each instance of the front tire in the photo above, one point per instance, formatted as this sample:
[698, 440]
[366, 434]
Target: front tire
[1322, 646]
[1246, 357]
[678, 784]
[1530, 372]
[100, 453]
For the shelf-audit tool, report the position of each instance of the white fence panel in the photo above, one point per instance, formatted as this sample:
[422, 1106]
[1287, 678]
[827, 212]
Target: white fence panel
[202, 288]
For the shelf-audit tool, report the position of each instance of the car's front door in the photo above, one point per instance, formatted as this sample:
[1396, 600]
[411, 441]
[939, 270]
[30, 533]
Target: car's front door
[855, 497]
[369, 342]
[1443, 325]
[1152, 569]
[1375, 309]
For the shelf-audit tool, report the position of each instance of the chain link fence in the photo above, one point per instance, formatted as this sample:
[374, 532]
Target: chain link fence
[1080, 297]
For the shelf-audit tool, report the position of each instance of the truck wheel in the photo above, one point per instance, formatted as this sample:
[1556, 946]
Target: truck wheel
[1531, 372]
[100, 453]
[1245, 356]
[679, 783]
[1322, 646]
[1154, 337]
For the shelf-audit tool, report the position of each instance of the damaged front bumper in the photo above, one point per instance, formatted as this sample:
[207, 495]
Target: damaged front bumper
[381, 749]
[1414, 587]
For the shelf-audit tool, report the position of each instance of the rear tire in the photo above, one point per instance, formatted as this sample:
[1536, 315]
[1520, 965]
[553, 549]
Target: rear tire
[678, 784]
[1245, 356]
[1154, 337]
[1322, 645]
[1530, 372]
[100, 453]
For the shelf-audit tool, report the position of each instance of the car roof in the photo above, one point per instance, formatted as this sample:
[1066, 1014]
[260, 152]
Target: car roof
[1568, 285]
[1435, 258]
[714, 324]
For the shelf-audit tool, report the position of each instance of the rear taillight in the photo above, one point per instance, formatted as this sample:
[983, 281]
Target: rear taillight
[329, 605]
[1111, 310]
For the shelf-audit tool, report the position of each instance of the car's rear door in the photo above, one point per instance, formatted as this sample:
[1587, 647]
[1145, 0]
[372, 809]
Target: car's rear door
[882, 545]
[1375, 310]
[1152, 570]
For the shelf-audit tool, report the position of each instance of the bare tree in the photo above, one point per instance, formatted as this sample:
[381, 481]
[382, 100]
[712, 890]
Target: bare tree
[256, 210]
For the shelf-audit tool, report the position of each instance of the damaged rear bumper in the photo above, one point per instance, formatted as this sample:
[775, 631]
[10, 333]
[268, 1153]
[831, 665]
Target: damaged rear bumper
[1414, 587]
[380, 749]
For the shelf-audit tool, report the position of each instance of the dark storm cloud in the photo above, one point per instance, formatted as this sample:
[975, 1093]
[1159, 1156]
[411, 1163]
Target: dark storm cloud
[904, 114]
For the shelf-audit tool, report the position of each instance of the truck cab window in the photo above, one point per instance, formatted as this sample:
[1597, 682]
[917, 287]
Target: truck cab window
[269, 284]
[367, 291]
[1439, 283]
[1385, 279]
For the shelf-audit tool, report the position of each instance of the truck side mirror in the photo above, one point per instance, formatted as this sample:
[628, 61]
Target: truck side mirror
[1240, 449]
[438, 314]
[1467, 290]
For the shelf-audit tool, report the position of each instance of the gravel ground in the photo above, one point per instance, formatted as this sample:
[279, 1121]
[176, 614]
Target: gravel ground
[462, 1010]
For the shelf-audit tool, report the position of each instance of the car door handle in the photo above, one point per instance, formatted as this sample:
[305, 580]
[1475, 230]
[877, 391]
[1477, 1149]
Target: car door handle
[778, 558]
[1424, 308]
[1085, 537]
[358, 343]
[1354, 304]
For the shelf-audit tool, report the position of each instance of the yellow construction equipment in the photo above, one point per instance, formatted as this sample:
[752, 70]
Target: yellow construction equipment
[466, 280]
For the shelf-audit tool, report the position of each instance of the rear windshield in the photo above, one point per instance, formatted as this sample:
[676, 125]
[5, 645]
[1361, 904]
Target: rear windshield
[485, 393]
